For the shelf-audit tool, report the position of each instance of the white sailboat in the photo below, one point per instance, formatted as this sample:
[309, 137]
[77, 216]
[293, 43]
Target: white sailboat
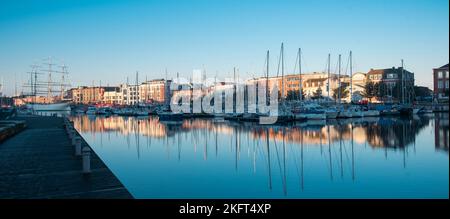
[371, 113]
[91, 110]
[48, 87]
[62, 106]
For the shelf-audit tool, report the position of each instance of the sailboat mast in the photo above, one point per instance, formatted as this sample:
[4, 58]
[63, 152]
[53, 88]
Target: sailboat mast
[282, 71]
[328, 71]
[136, 88]
[1, 91]
[339, 80]
[351, 78]
[62, 81]
[300, 73]
[49, 91]
[34, 85]
[267, 77]
[31, 84]
[403, 89]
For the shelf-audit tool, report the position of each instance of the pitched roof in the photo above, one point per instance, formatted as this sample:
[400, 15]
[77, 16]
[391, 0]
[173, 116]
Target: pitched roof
[387, 71]
[444, 66]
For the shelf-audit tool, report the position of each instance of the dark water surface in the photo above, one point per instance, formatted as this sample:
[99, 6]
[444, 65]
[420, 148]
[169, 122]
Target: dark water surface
[206, 158]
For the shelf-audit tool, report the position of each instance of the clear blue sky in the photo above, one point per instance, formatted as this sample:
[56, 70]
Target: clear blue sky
[110, 40]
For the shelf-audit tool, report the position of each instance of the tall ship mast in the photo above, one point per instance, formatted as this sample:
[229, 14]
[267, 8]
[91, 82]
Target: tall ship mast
[47, 86]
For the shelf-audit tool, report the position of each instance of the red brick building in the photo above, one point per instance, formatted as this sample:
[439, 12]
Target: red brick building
[440, 82]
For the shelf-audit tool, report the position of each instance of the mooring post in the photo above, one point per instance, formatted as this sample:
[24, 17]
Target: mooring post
[86, 160]
[74, 136]
[69, 126]
[77, 146]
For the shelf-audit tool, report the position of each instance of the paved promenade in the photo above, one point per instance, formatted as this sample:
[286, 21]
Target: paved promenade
[39, 162]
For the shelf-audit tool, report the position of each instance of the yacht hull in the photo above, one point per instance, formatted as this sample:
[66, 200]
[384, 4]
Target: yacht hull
[49, 107]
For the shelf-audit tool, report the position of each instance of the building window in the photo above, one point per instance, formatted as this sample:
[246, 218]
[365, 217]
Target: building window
[440, 84]
[440, 74]
[391, 76]
[446, 74]
[446, 84]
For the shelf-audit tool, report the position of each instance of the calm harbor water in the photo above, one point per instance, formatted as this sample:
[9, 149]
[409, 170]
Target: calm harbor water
[207, 158]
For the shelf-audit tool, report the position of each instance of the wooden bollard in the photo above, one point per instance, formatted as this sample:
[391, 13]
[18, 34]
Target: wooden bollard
[77, 146]
[86, 160]
[69, 127]
[72, 134]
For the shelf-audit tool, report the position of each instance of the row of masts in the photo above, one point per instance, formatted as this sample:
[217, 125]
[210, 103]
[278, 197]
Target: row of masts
[299, 58]
[48, 87]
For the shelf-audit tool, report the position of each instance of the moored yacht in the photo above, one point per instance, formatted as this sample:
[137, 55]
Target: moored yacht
[91, 110]
[344, 113]
[126, 112]
[313, 112]
[61, 106]
[331, 113]
[103, 111]
[356, 112]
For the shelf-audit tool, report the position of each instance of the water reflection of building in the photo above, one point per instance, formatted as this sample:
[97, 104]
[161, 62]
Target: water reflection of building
[388, 132]
[123, 125]
[379, 133]
[441, 132]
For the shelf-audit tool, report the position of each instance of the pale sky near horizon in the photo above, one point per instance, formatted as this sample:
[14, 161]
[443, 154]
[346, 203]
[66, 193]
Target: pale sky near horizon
[109, 41]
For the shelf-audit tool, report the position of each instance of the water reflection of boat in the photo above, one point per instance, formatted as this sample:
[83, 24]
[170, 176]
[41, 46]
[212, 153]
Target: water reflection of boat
[170, 116]
[278, 153]
[171, 122]
[379, 132]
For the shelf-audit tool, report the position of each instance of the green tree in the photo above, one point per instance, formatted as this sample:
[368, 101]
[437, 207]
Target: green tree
[344, 92]
[370, 90]
[421, 91]
[295, 95]
[380, 89]
[317, 94]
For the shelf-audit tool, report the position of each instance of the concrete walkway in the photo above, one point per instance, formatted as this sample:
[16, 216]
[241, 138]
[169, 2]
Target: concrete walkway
[39, 162]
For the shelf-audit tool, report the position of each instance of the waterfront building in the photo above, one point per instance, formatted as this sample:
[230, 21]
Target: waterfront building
[112, 96]
[95, 95]
[390, 82]
[87, 95]
[319, 81]
[130, 94]
[311, 82]
[441, 82]
[359, 80]
[154, 91]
